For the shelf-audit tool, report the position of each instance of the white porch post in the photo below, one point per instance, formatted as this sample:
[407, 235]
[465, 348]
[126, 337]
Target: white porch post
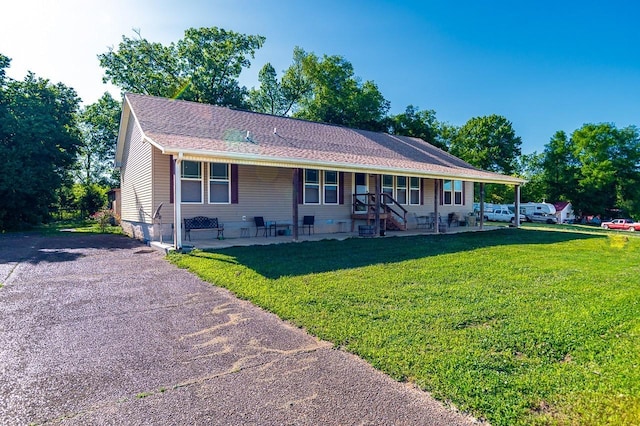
[295, 183]
[378, 196]
[517, 204]
[436, 204]
[481, 205]
[177, 204]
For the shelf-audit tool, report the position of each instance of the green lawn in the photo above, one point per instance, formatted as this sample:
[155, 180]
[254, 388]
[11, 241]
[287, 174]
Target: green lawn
[515, 326]
[76, 225]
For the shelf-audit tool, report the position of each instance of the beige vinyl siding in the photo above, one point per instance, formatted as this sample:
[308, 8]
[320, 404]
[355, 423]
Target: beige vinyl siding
[461, 210]
[162, 184]
[263, 191]
[468, 196]
[268, 192]
[136, 177]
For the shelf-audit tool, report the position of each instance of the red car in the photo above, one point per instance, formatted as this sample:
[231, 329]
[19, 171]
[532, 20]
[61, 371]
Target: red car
[624, 224]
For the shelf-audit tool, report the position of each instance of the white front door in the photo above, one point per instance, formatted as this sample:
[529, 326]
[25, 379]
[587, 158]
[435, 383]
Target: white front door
[361, 189]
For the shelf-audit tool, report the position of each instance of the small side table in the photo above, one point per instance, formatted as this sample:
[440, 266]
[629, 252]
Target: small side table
[244, 232]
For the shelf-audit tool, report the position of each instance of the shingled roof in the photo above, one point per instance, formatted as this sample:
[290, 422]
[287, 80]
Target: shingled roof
[206, 132]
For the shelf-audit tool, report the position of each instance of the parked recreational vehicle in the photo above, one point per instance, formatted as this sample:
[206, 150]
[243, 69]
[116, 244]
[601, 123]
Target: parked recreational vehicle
[531, 208]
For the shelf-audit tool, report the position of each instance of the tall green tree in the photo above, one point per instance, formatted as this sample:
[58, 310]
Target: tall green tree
[489, 143]
[204, 66]
[281, 97]
[445, 134]
[39, 140]
[337, 96]
[99, 128]
[626, 160]
[530, 167]
[560, 169]
[609, 167]
[144, 67]
[417, 123]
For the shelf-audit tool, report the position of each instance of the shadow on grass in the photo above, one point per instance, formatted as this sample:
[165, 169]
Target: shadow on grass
[305, 258]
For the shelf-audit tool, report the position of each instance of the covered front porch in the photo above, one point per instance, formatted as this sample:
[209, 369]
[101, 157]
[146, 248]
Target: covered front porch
[210, 242]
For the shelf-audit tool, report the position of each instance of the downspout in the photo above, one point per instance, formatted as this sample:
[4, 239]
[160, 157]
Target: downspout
[177, 205]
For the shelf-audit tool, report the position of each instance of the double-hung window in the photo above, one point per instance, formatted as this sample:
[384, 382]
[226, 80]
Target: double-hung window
[387, 185]
[447, 191]
[401, 189]
[219, 183]
[330, 187]
[414, 191]
[191, 182]
[457, 192]
[311, 186]
[452, 192]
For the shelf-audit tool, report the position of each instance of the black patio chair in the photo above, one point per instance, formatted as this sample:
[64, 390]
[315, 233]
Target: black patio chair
[259, 220]
[308, 221]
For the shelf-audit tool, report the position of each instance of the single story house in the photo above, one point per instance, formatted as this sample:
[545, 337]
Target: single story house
[180, 159]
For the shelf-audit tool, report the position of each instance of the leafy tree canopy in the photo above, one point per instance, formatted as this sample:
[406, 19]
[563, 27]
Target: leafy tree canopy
[39, 140]
[530, 167]
[609, 168]
[204, 66]
[281, 97]
[489, 143]
[418, 124]
[99, 128]
[337, 96]
[560, 169]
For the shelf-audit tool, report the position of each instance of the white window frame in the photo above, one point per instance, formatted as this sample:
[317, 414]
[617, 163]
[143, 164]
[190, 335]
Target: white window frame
[326, 186]
[192, 179]
[312, 185]
[215, 180]
[452, 192]
[456, 192]
[398, 188]
[411, 190]
[386, 189]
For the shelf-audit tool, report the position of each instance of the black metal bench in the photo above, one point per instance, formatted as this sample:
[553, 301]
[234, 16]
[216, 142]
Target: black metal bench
[203, 222]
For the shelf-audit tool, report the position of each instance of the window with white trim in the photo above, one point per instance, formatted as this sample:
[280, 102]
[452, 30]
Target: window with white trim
[452, 192]
[330, 187]
[387, 185]
[414, 191]
[191, 182]
[311, 186]
[401, 189]
[457, 192]
[219, 183]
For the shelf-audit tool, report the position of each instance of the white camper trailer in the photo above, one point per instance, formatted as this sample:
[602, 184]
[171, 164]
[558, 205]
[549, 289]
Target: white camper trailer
[531, 208]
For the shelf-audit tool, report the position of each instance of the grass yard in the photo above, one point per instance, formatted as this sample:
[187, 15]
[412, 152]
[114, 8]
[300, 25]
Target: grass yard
[514, 326]
[76, 225]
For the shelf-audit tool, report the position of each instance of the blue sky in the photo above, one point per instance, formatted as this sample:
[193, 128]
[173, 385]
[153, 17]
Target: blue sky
[544, 65]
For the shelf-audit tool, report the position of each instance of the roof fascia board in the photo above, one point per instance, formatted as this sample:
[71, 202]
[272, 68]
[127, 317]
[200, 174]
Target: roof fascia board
[122, 133]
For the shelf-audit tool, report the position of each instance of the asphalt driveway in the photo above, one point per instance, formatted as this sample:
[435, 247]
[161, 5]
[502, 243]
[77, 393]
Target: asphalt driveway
[102, 330]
